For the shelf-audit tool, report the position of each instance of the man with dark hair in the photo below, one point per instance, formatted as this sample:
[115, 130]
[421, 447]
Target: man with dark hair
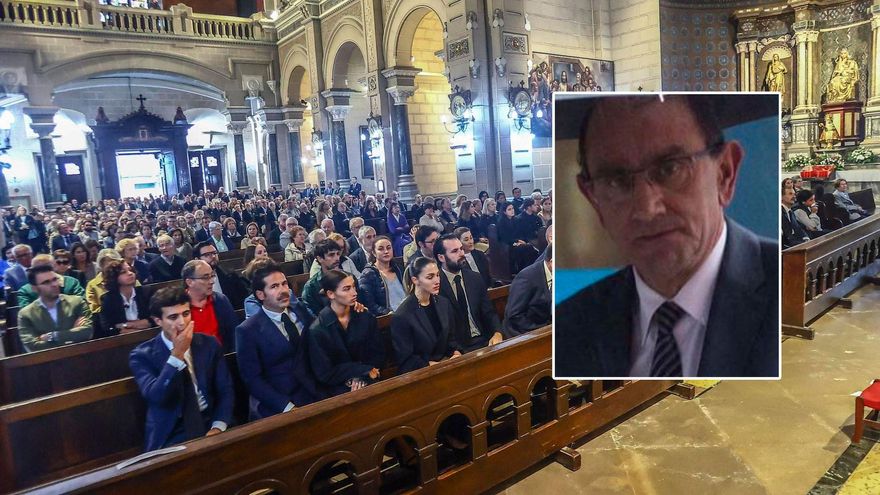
[807, 213]
[529, 304]
[327, 255]
[182, 375]
[792, 232]
[699, 296]
[213, 313]
[228, 284]
[477, 324]
[354, 188]
[517, 200]
[474, 259]
[271, 347]
[426, 236]
[54, 319]
[528, 223]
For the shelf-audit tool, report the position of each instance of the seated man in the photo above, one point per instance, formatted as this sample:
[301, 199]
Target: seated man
[366, 236]
[69, 285]
[425, 238]
[271, 347]
[327, 255]
[529, 305]
[54, 319]
[841, 199]
[212, 313]
[807, 213]
[475, 259]
[182, 375]
[792, 232]
[16, 275]
[167, 265]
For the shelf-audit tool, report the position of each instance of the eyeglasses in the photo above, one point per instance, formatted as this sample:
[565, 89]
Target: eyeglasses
[62, 262]
[210, 253]
[207, 277]
[670, 173]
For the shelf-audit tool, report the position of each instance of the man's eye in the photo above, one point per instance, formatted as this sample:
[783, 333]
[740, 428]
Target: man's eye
[667, 169]
[617, 181]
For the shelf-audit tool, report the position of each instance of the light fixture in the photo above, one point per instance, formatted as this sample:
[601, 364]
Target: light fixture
[500, 63]
[474, 68]
[445, 30]
[471, 23]
[498, 18]
[527, 25]
[460, 106]
[7, 119]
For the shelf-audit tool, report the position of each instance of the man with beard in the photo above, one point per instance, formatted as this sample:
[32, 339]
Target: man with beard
[229, 284]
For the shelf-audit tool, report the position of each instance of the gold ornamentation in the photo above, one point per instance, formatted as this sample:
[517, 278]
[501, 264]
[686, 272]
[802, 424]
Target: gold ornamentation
[842, 86]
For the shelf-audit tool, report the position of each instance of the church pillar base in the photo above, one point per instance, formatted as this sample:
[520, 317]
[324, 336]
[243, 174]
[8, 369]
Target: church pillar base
[872, 124]
[407, 188]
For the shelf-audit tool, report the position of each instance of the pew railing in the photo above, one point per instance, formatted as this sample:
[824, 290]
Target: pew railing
[819, 273]
[511, 412]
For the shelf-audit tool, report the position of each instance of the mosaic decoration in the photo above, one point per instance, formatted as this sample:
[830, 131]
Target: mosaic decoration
[459, 48]
[551, 73]
[372, 83]
[698, 52]
[516, 43]
[846, 13]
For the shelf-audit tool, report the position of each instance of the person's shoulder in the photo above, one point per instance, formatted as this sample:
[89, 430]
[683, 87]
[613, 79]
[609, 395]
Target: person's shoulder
[71, 299]
[591, 302]
[203, 341]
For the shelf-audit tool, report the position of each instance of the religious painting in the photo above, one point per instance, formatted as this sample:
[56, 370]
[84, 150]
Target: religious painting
[551, 73]
[776, 72]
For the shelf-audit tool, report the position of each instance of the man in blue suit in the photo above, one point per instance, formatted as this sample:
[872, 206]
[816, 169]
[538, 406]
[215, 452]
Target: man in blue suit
[182, 375]
[700, 295]
[271, 348]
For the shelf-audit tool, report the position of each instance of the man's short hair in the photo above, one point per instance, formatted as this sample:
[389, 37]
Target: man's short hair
[438, 244]
[702, 107]
[259, 271]
[22, 247]
[164, 238]
[803, 195]
[362, 232]
[123, 244]
[460, 232]
[428, 206]
[423, 232]
[527, 203]
[215, 225]
[43, 259]
[189, 269]
[33, 271]
[167, 297]
[197, 249]
[325, 247]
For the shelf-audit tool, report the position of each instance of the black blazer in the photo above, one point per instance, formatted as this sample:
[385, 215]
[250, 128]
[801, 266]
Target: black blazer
[161, 271]
[413, 337]
[233, 287]
[529, 305]
[480, 308]
[113, 312]
[338, 355]
[483, 267]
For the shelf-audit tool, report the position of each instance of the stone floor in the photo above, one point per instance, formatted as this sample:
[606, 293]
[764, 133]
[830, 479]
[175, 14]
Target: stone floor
[745, 437]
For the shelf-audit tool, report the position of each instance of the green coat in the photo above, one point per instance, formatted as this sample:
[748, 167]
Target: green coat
[312, 294]
[34, 320]
[72, 287]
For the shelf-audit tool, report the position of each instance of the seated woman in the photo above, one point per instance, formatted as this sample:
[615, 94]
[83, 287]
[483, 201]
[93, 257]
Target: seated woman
[257, 250]
[423, 326]
[398, 228]
[124, 308]
[381, 282]
[82, 261]
[297, 248]
[253, 232]
[182, 248]
[344, 347]
[230, 234]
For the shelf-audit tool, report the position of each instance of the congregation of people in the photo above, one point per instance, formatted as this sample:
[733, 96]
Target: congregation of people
[807, 214]
[85, 271]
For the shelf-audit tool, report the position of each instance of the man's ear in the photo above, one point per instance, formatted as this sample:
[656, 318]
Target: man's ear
[157, 321]
[728, 170]
[583, 185]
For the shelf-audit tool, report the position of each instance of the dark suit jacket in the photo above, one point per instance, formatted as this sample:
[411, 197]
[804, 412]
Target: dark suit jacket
[58, 241]
[113, 312]
[594, 327]
[792, 232]
[161, 271]
[529, 303]
[413, 337]
[480, 307]
[202, 235]
[274, 371]
[162, 385]
[483, 267]
[142, 270]
[338, 355]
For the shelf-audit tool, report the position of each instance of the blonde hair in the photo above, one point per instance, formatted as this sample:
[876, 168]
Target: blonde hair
[124, 243]
[336, 237]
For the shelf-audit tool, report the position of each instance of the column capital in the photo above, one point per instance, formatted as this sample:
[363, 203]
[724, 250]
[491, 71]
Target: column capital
[236, 128]
[338, 113]
[401, 94]
[42, 119]
[293, 125]
[401, 75]
[293, 112]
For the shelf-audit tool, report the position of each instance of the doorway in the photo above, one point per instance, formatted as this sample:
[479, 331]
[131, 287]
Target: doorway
[140, 173]
[206, 169]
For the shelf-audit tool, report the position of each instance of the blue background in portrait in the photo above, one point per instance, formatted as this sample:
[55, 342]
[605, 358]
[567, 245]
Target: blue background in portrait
[754, 206]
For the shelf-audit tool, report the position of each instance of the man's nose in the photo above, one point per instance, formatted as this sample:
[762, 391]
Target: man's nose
[647, 199]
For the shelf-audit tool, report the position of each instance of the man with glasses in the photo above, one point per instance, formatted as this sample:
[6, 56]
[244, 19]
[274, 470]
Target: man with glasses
[212, 313]
[425, 238]
[69, 285]
[53, 319]
[16, 276]
[699, 296]
[229, 284]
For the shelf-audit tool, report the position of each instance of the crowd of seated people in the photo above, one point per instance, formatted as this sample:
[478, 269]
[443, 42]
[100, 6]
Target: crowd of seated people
[806, 214]
[290, 351]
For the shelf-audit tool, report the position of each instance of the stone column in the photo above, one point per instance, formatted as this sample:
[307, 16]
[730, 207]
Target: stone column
[401, 86]
[805, 116]
[274, 125]
[294, 145]
[42, 123]
[237, 130]
[338, 106]
[258, 128]
[872, 110]
[748, 55]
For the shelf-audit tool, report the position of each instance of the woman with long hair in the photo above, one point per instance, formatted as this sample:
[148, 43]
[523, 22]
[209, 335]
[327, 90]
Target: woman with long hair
[252, 232]
[124, 308]
[423, 326]
[81, 261]
[182, 248]
[257, 250]
[381, 281]
[344, 347]
[546, 213]
[231, 236]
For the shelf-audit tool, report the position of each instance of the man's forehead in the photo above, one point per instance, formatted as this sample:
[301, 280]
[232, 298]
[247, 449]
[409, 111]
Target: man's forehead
[174, 310]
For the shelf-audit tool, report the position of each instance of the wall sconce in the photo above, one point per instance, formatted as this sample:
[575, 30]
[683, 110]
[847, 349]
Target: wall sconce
[475, 68]
[520, 101]
[445, 30]
[500, 63]
[471, 23]
[527, 25]
[498, 18]
[461, 108]
[6, 121]
[530, 64]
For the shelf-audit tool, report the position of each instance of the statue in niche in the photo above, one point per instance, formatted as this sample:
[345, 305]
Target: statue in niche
[828, 135]
[774, 80]
[842, 86]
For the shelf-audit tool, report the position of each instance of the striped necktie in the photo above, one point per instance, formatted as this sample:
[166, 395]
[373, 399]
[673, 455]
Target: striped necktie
[667, 359]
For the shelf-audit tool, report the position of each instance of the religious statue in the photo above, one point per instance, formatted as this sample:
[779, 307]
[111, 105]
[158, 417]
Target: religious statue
[828, 135]
[842, 86]
[774, 80]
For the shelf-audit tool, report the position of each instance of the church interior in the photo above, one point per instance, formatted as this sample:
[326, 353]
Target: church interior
[402, 100]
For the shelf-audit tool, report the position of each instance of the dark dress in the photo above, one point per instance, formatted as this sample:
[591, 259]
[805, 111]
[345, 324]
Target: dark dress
[338, 355]
[416, 339]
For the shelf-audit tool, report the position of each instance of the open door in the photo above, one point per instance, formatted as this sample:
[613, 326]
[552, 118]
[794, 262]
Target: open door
[169, 170]
[196, 171]
[212, 161]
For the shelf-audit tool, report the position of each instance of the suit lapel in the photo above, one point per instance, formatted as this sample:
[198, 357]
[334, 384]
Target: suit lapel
[737, 306]
[616, 334]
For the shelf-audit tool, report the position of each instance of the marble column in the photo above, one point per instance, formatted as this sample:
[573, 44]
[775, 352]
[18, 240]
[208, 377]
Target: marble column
[43, 124]
[872, 110]
[401, 86]
[338, 106]
[748, 54]
[237, 130]
[274, 166]
[805, 116]
[258, 128]
[294, 145]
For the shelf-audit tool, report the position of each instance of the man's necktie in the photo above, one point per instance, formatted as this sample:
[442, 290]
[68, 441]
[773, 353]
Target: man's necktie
[459, 292]
[193, 423]
[667, 360]
[290, 328]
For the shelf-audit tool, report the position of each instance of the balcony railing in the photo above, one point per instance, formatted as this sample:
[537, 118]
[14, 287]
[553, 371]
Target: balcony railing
[90, 15]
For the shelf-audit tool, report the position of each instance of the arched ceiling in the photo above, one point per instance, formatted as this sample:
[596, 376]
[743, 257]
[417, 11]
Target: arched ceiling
[145, 79]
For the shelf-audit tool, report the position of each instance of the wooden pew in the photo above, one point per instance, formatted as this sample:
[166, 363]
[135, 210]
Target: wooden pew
[817, 274]
[231, 254]
[512, 413]
[48, 412]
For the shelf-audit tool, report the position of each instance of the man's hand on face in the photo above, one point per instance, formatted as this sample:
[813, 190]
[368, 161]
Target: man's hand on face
[182, 341]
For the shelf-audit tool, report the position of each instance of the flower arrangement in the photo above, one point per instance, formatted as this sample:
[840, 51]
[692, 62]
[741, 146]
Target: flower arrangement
[832, 159]
[861, 155]
[796, 162]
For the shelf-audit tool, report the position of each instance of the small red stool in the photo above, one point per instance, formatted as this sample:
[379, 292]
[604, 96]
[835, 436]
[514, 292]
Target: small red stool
[870, 398]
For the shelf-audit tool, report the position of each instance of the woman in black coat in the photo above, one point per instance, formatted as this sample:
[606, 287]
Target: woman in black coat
[423, 327]
[376, 277]
[345, 348]
[124, 308]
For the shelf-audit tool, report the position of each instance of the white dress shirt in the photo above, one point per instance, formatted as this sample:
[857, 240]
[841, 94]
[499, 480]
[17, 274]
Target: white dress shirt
[695, 298]
[131, 309]
[187, 363]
